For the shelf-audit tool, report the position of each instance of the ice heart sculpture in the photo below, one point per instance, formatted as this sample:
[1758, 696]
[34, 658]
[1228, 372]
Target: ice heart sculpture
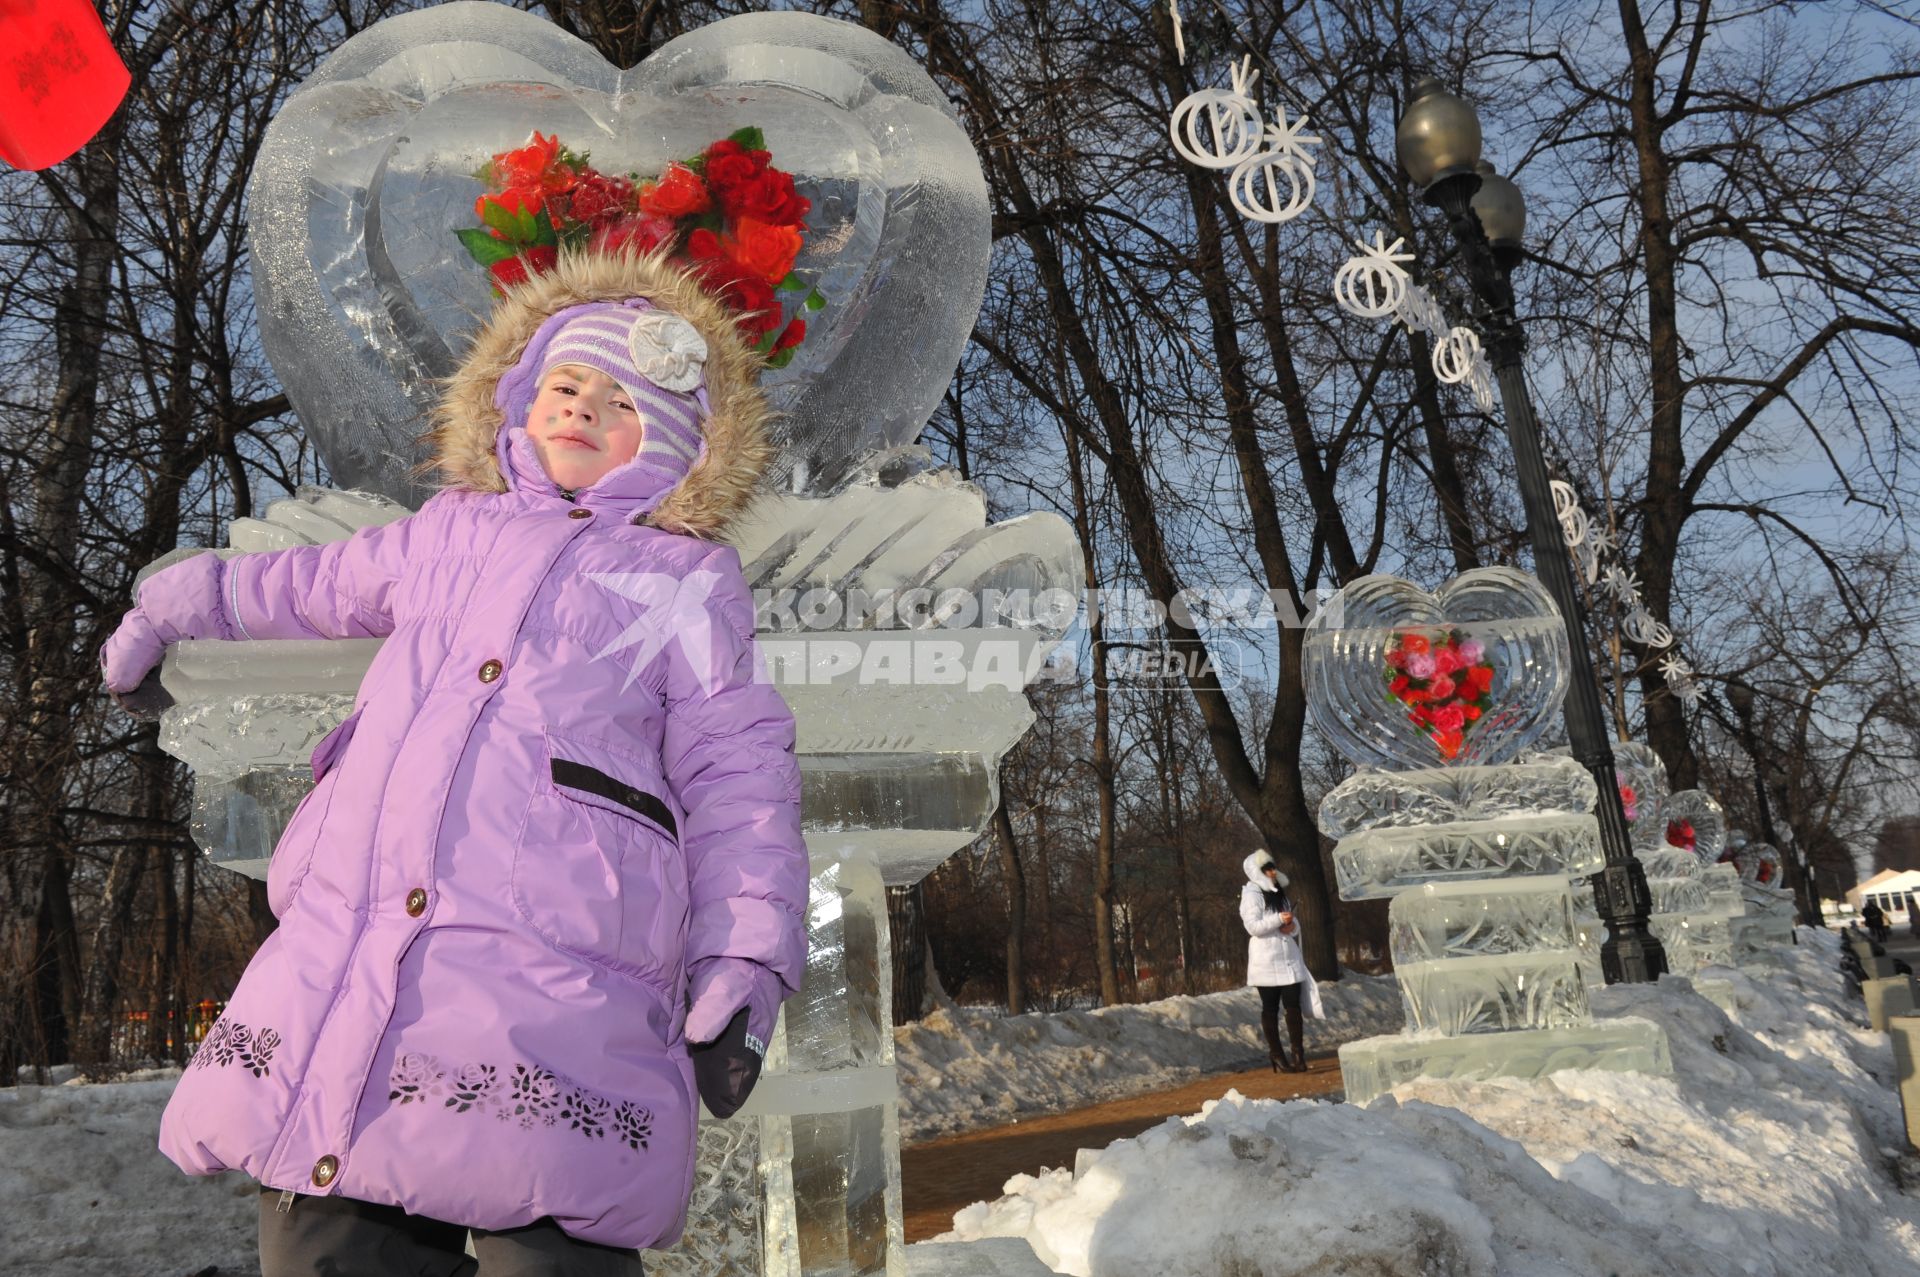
[1643, 793]
[1696, 822]
[365, 296]
[1470, 675]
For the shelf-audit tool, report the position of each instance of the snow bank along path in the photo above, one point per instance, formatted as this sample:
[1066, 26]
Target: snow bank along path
[1774, 1150]
[963, 1069]
[84, 1189]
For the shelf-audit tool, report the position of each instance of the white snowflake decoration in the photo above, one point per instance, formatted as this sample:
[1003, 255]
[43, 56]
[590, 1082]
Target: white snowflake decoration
[1421, 312]
[1285, 154]
[1374, 284]
[1642, 628]
[1674, 668]
[1480, 381]
[1453, 358]
[1566, 507]
[1622, 584]
[1232, 132]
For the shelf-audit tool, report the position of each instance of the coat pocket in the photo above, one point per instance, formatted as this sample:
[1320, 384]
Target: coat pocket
[597, 868]
[293, 856]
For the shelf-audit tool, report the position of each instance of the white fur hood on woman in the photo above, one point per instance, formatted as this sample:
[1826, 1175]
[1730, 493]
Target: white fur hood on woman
[1273, 954]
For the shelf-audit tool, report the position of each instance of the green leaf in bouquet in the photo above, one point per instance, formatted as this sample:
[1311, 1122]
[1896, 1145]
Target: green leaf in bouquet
[783, 358]
[508, 222]
[750, 137]
[815, 301]
[790, 283]
[543, 232]
[483, 247]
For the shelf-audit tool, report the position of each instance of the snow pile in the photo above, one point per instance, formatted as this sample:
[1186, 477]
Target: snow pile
[84, 1189]
[1773, 1150]
[962, 1069]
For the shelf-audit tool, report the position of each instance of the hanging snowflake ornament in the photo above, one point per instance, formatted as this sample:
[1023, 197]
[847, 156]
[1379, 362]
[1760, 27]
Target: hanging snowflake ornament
[1480, 381]
[1453, 358]
[1674, 668]
[1689, 694]
[1420, 312]
[1622, 584]
[1255, 187]
[1374, 284]
[1566, 506]
[1179, 38]
[1642, 628]
[1219, 128]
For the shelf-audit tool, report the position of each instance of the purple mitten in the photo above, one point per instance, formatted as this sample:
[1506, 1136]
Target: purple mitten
[133, 650]
[719, 987]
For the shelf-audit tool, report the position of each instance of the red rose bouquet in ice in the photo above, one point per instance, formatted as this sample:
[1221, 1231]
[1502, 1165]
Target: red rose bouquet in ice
[727, 214]
[1444, 683]
[1680, 833]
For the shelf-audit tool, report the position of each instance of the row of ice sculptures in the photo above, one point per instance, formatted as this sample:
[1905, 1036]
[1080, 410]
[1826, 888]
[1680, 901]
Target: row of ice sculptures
[1483, 842]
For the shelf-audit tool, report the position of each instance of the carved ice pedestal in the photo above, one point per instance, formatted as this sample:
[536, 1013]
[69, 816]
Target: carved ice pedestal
[900, 733]
[1477, 852]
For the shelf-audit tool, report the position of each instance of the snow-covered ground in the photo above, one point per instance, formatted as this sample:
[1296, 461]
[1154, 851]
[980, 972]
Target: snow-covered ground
[1774, 1149]
[84, 1191]
[961, 1069]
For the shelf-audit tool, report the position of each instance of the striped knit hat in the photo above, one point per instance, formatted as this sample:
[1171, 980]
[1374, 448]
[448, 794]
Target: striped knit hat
[653, 354]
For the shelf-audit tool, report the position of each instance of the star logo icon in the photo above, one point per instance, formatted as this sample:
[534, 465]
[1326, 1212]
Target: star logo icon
[673, 610]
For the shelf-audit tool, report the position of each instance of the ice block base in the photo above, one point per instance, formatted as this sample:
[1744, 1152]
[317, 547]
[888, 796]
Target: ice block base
[1373, 1066]
[988, 1257]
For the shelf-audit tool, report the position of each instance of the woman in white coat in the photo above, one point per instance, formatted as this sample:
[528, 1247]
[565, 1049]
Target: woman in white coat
[1274, 962]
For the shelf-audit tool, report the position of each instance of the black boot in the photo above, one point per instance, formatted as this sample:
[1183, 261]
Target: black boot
[1296, 1031]
[1270, 1025]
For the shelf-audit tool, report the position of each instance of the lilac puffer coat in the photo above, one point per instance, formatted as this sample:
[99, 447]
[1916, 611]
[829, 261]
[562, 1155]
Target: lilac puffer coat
[561, 785]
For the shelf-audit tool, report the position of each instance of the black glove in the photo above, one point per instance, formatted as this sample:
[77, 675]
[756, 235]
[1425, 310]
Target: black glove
[726, 1068]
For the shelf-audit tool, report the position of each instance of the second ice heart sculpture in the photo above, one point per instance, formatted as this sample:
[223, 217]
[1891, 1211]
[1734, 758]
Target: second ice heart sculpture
[1471, 674]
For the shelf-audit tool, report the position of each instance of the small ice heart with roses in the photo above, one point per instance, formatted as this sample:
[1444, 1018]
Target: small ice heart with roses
[1471, 674]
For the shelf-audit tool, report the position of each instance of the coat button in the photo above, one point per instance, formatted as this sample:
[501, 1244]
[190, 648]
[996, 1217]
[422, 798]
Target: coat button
[580, 513]
[489, 671]
[416, 902]
[324, 1170]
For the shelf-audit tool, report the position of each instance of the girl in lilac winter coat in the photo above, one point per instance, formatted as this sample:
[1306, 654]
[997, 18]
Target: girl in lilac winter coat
[558, 838]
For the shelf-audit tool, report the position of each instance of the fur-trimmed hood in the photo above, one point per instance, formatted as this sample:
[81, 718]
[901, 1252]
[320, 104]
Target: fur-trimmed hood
[1255, 866]
[468, 437]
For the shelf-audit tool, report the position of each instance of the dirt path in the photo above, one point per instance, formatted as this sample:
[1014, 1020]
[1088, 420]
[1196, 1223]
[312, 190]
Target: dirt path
[943, 1175]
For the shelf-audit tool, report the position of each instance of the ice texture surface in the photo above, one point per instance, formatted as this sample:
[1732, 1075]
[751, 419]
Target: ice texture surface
[1372, 1066]
[1480, 919]
[1382, 862]
[1508, 613]
[1371, 799]
[1494, 994]
[366, 296]
[1693, 940]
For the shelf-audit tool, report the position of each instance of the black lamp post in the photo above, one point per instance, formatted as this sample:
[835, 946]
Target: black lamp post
[1439, 145]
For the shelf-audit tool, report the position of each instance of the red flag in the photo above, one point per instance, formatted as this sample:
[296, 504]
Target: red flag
[60, 80]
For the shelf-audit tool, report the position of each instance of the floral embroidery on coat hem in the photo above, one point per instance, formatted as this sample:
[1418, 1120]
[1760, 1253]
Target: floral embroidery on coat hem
[526, 1095]
[229, 1041]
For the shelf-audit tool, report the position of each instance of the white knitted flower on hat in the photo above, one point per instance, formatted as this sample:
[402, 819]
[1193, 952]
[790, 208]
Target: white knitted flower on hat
[668, 351]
